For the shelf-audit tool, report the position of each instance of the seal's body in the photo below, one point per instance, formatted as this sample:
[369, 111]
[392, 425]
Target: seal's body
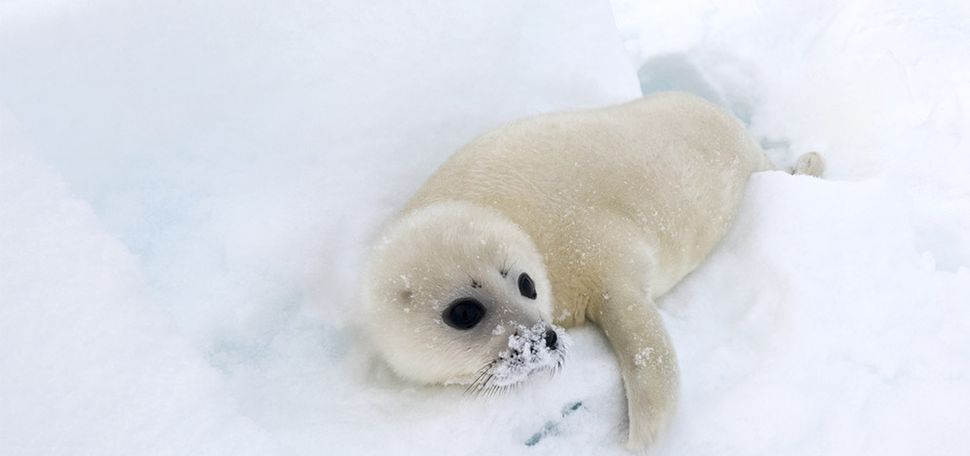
[603, 211]
[662, 174]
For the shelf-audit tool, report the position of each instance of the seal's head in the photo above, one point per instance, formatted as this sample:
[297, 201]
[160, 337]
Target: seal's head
[457, 293]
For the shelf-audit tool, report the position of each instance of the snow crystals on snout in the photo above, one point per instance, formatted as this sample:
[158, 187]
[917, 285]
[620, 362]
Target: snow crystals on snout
[527, 354]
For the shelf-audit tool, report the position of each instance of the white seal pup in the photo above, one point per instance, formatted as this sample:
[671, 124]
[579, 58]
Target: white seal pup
[553, 221]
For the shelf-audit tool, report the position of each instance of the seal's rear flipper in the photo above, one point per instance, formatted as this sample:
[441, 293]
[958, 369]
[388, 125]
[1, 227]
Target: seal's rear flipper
[810, 164]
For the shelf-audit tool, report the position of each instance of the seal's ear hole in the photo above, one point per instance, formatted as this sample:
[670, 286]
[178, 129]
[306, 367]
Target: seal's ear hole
[526, 287]
[407, 295]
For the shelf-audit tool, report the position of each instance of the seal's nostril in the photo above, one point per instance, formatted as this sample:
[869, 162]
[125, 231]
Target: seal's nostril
[551, 339]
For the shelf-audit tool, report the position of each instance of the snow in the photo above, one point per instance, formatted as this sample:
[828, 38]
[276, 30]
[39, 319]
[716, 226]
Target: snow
[186, 192]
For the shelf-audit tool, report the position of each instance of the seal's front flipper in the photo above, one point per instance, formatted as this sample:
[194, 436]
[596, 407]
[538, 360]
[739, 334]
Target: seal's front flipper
[634, 328]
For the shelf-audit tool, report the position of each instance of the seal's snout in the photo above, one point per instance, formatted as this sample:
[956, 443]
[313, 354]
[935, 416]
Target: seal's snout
[552, 340]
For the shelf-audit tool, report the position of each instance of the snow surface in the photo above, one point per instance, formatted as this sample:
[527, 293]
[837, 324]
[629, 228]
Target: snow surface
[187, 189]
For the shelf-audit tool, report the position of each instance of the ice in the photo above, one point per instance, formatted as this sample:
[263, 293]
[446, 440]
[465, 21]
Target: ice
[187, 190]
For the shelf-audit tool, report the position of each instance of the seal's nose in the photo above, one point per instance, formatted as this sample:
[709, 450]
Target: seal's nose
[551, 339]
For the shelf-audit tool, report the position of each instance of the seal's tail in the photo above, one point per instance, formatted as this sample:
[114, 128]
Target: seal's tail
[810, 163]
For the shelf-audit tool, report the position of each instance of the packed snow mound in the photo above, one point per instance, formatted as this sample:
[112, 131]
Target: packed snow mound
[90, 364]
[187, 192]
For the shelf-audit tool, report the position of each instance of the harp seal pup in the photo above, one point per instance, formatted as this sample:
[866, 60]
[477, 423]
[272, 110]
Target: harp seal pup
[551, 222]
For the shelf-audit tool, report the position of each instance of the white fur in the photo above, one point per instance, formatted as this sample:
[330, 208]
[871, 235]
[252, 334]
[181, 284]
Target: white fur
[430, 258]
[605, 209]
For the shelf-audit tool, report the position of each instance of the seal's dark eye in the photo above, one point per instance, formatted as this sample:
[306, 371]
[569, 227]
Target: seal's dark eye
[526, 287]
[464, 313]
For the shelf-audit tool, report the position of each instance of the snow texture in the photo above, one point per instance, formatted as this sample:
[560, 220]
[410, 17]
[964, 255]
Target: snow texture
[187, 190]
